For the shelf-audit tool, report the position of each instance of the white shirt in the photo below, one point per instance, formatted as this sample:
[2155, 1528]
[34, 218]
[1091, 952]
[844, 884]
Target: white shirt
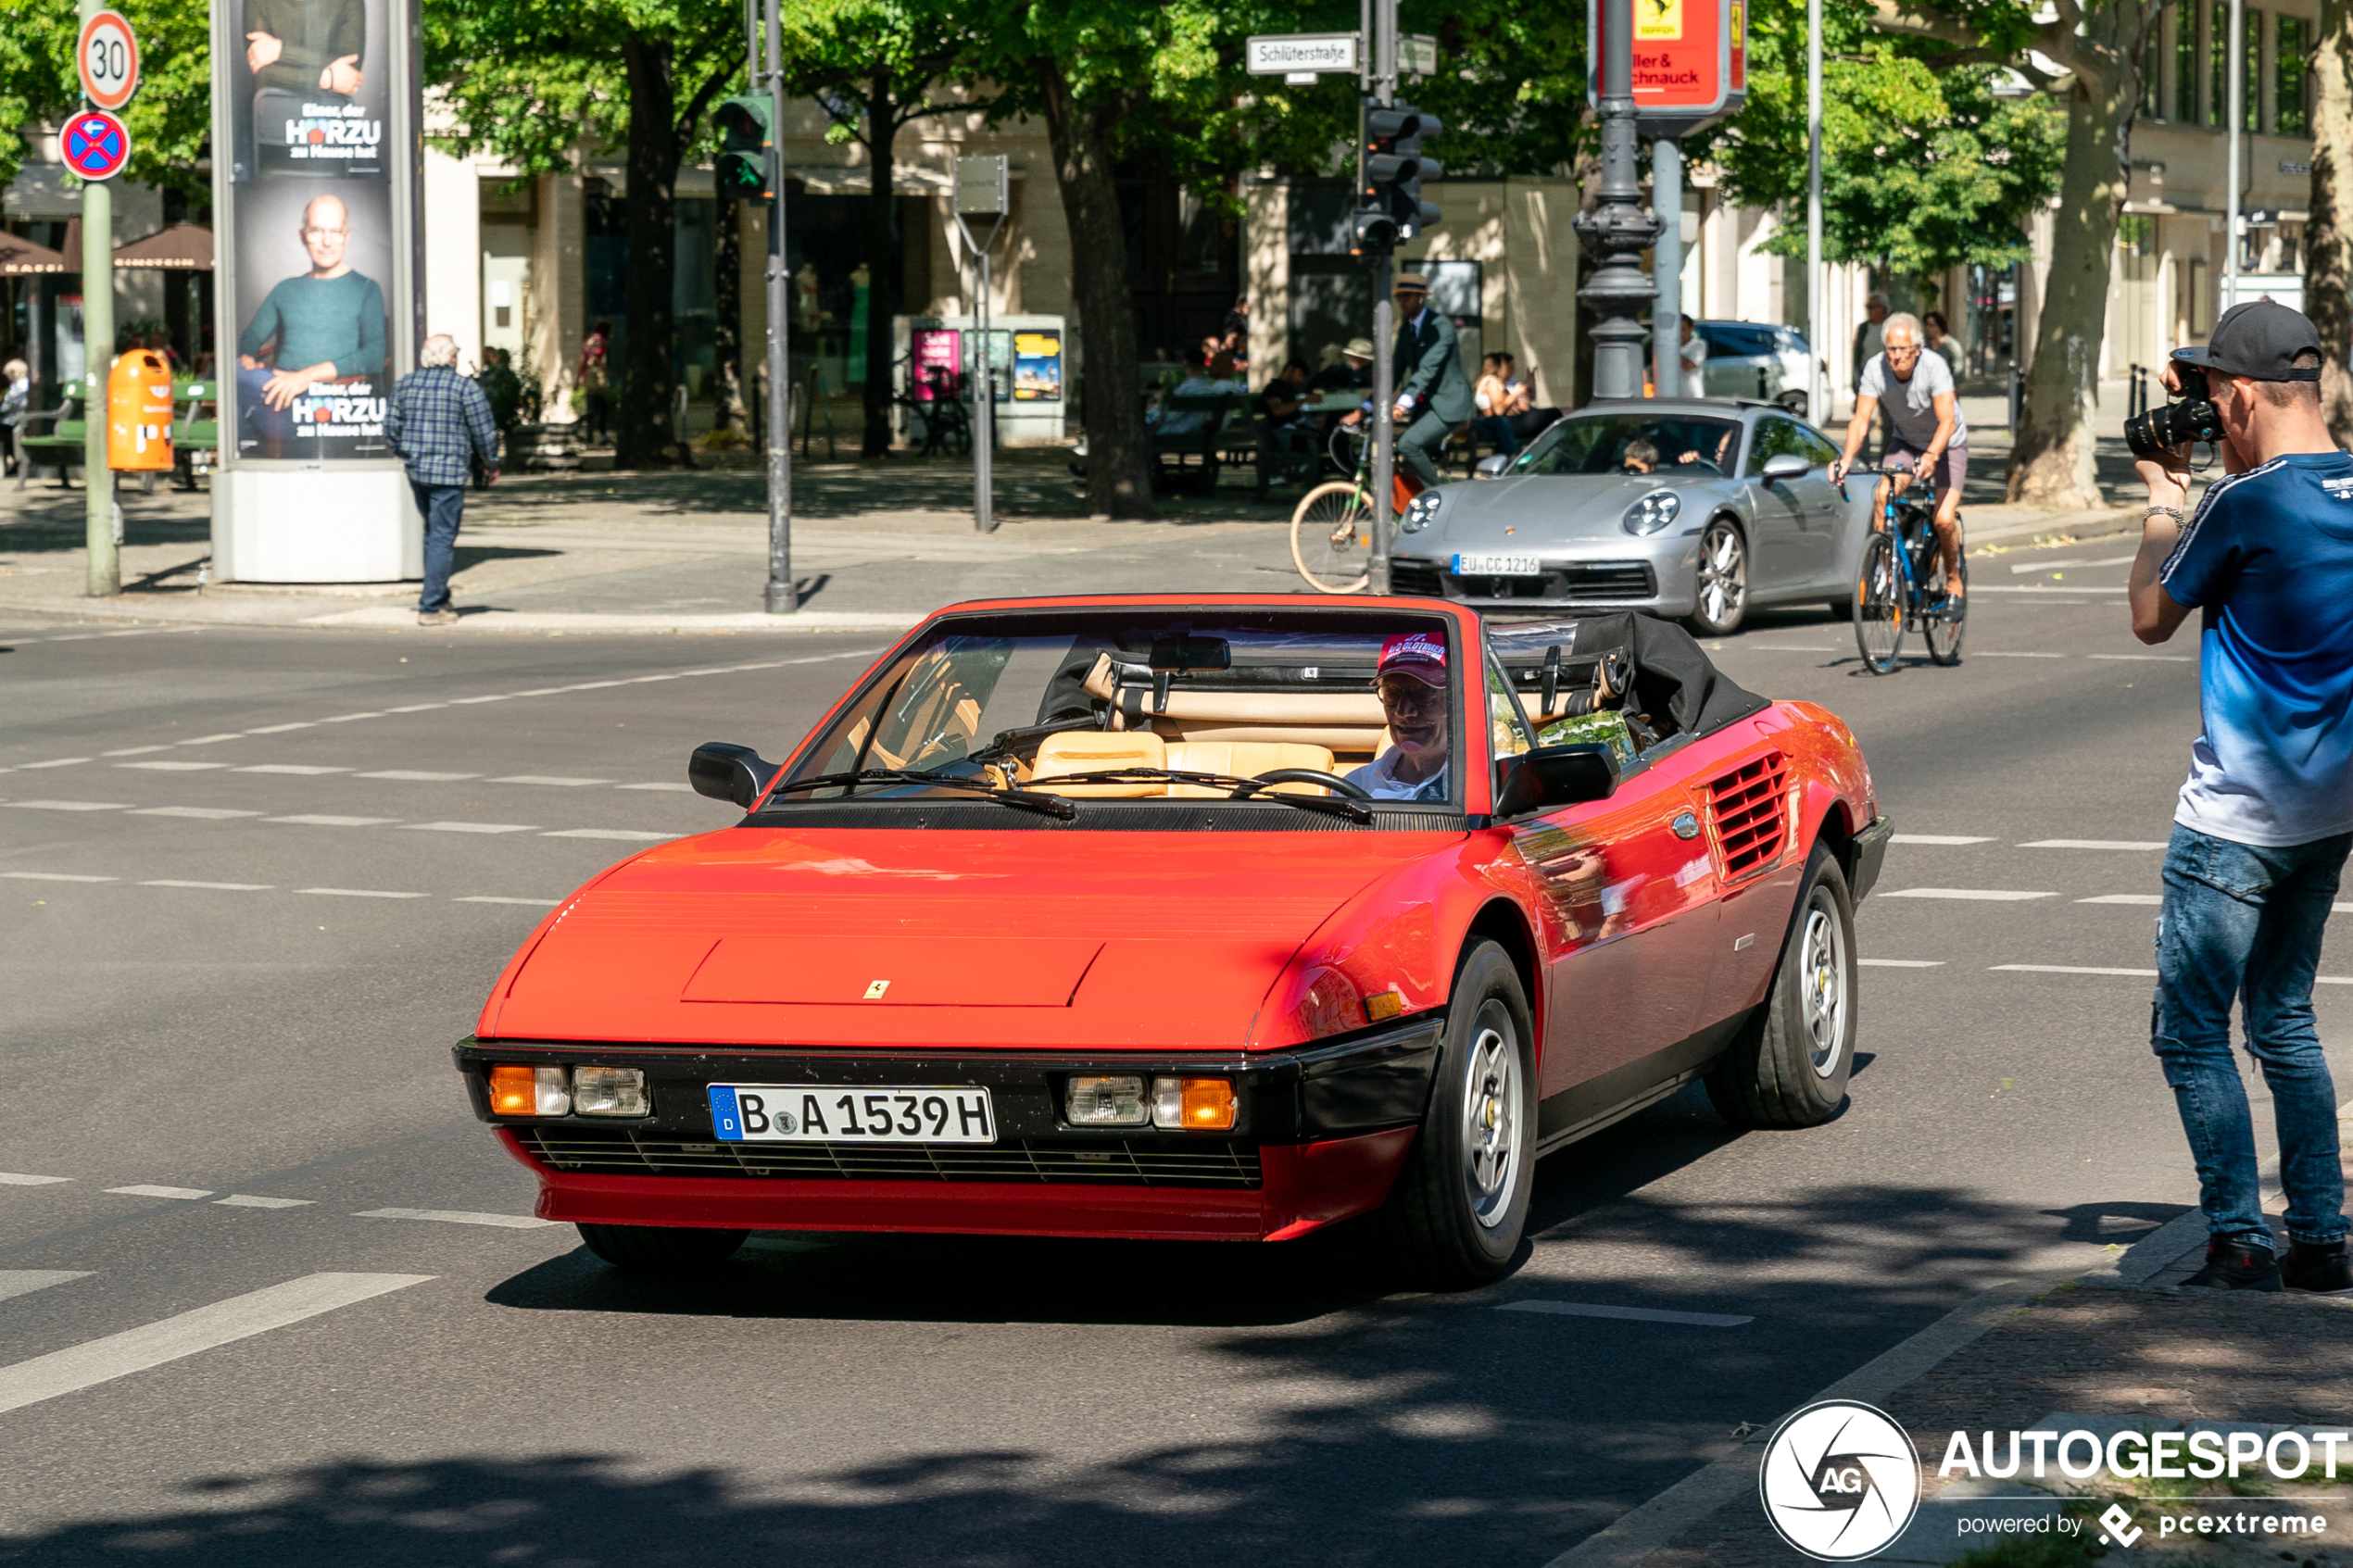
[1380, 779]
[1695, 352]
[1911, 405]
[1172, 422]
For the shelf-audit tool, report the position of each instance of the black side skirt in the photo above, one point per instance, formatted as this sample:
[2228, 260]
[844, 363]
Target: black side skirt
[1617, 1094]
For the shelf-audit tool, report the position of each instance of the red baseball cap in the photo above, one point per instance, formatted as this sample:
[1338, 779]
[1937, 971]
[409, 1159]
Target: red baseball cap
[1421, 654]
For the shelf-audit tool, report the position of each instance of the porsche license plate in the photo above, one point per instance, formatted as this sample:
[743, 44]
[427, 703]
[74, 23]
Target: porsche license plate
[851, 1113]
[1498, 566]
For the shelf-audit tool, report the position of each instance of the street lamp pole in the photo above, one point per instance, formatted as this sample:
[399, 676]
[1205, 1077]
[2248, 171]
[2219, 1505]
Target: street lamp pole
[2236, 144]
[1384, 322]
[1617, 231]
[784, 594]
[102, 544]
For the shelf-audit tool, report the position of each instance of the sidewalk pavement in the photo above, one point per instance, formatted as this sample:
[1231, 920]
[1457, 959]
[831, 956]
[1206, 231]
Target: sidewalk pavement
[875, 547]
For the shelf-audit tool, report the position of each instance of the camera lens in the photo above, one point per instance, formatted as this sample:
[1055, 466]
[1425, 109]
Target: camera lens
[2149, 434]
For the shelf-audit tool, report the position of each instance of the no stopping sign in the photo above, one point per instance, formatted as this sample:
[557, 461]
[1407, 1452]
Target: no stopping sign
[95, 146]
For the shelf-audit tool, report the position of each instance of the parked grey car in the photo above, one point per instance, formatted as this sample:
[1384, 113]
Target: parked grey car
[1756, 360]
[1697, 508]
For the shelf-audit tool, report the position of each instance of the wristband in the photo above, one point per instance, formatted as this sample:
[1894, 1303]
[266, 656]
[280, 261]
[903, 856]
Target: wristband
[2173, 512]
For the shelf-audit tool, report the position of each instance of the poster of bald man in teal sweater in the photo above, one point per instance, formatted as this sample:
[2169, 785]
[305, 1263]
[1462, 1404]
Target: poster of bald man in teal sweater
[311, 358]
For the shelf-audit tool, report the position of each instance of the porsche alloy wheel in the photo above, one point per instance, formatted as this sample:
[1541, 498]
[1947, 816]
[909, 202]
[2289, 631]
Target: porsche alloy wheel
[662, 1249]
[1454, 1216]
[1790, 1068]
[1721, 601]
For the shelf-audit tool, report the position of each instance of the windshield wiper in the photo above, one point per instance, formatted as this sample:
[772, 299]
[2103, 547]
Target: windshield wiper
[1238, 788]
[1027, 800]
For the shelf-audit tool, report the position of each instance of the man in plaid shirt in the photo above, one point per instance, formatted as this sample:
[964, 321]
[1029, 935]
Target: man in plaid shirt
[438, 421]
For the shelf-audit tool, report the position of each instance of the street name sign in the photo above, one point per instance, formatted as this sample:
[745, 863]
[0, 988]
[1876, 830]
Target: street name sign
[1691, 62]
[1417, 54]
[108, 59]
[1300, 54]
[95, 145]
[984, 185]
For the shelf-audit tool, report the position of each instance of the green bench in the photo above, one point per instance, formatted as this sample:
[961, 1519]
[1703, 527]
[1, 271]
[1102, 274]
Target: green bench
[62, 449]
[195, 443]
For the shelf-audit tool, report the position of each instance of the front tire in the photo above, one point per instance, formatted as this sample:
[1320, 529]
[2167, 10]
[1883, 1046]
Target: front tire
[1719, 600]
[1331, 537]
[1790, 1068]
[1455, 1215]
[662, 1249]
[1879, 605]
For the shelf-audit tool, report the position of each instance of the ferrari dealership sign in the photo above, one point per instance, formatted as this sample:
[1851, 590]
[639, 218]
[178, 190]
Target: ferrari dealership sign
[1691, 62]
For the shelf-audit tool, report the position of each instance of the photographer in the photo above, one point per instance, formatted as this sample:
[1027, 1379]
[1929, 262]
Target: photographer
[2266, 817]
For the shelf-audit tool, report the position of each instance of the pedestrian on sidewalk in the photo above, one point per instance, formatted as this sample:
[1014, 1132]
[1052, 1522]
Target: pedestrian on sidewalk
[440, 422]
[16, 403]
[2266, 818]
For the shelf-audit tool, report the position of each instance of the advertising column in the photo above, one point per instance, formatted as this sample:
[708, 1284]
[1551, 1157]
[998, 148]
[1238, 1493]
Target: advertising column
[317, 278]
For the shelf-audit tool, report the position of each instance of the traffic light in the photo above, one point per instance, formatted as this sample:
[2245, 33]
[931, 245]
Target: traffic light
[746, 169]
[1392, 168]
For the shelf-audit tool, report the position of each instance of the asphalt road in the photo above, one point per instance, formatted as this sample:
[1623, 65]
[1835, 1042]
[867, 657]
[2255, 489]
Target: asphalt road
[253, 883]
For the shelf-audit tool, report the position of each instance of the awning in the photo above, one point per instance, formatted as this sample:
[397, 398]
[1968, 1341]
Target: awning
[185, 247]
[20, 258]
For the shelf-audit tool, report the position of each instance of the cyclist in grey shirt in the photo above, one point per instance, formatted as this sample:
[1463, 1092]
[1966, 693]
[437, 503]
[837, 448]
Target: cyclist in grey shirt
[1929, 435]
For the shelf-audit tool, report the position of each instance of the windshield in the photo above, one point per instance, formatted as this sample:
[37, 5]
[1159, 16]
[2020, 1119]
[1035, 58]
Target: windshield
[1329, 708]
[1635, 444]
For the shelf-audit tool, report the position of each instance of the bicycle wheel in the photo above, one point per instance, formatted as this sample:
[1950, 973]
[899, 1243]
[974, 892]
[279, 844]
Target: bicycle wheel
[1331, 537]
[1943, 626]
[1878, 606]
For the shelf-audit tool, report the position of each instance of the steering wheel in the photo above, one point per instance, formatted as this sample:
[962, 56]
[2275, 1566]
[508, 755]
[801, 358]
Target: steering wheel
[1338, 785]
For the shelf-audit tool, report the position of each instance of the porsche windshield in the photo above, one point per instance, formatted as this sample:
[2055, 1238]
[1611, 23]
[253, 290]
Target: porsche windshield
[1333, 712]
[1635, 444]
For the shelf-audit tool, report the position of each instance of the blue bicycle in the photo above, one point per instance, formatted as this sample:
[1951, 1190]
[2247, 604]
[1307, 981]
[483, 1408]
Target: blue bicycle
[1901, 585]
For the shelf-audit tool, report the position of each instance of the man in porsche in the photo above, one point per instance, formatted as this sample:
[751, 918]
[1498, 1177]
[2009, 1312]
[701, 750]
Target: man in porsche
[1411, 678]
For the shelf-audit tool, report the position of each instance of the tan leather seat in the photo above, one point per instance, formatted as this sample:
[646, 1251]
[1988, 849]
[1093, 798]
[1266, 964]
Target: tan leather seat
[1246, 759]
[1094, 751]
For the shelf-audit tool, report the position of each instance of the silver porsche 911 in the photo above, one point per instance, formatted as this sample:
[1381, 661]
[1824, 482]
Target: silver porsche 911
[1698, 508]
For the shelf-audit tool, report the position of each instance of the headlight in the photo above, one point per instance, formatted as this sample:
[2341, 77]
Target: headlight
[1653, 512]
[1106, 1102]
[519, 1090]
[1419, 511]
[610, 1091]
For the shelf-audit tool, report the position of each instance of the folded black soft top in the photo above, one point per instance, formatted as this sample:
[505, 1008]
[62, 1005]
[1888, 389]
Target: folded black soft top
[1673, 677]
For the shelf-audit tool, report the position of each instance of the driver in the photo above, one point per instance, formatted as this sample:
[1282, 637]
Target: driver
[1411, 679]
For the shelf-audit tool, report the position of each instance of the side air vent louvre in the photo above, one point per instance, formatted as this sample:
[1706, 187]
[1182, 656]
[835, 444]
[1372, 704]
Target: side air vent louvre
[1752, 818]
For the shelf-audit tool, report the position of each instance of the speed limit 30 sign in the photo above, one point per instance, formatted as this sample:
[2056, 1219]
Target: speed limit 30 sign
[108, 57]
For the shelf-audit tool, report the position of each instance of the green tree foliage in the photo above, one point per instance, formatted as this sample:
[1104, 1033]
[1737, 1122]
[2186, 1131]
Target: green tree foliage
[170, 120]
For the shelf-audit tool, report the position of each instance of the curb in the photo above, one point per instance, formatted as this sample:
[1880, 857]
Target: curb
[390, 618]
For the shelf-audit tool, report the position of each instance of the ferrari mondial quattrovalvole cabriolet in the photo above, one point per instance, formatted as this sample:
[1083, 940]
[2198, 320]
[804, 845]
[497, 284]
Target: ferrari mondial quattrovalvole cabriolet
[1213, 916]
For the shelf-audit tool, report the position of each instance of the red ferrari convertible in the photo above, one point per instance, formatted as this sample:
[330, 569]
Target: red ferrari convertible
[1195, 917]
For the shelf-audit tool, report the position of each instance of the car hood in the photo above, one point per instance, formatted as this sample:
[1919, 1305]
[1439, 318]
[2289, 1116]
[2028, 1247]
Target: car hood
[926, 940]
[1539, 508]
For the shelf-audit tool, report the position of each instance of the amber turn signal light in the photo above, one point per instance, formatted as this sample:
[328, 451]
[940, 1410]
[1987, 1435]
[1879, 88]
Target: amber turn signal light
[519, 1090]
[1193, 1105]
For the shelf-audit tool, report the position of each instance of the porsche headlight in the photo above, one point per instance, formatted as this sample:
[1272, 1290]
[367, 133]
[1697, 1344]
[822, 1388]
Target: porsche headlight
[1419, 511]
[1653, 512]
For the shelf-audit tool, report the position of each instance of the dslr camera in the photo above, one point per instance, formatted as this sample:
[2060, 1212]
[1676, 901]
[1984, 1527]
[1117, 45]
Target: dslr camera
[2190, 417]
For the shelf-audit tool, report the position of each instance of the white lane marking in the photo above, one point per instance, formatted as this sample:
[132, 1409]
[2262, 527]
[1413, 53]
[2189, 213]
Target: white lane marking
[359, 892]
[25, 1282]
[2148, 657]
[2045, 566]
[1901, 964]
[418, 707]
[609, 832]
[2091, 844]
[175, 767]
[152, 1345]
[548, 779]
[491, 898]
[16, 1179]
[412, 774]
[54, 876]
[686, 788]
[2073, 969]
[215, 886]
[1631, 1314]
[319, 820]
[209, 740]
[2038, 588]
[2141, 898]
[207, 813]
[456, 1217]
[1991, 895]
[54, 762]
[150, 1191]
[72, 805]
[135, 751]
[468, 701]
[247, 1200]
[347, 717]
[1789, 647]
[2114, 560]
[299, 767]
[280, 730]
[1994, 653]
[1936, 838]
[470, 827]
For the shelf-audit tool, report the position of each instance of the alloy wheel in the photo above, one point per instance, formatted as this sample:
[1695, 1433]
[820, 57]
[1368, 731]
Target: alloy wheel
[1723, 576]
[1822, 967]
[1491, 1123]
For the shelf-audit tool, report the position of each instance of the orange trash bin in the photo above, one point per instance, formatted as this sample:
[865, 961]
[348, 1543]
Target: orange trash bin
[139, 412]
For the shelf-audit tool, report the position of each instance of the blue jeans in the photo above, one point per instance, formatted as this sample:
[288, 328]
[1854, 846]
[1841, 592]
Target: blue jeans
[2242, 920]
[1497, 432]
[442, 505]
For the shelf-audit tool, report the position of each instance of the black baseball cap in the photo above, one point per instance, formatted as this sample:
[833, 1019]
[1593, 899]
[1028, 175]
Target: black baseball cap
[2261, 340]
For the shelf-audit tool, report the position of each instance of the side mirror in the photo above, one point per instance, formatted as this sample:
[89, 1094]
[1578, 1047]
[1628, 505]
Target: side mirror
[1788, 465]
[1495, 465]
[735, 773]
[1555, 775]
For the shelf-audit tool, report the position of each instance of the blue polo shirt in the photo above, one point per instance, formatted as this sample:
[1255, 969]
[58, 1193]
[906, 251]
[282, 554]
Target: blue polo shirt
[2268, 557]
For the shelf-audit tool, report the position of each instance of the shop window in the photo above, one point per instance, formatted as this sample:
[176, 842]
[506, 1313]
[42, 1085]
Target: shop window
[2217, 65]
[2200, 303]
[2251, 68]
[2290, 75]
[2184, 27]
[2152, 59]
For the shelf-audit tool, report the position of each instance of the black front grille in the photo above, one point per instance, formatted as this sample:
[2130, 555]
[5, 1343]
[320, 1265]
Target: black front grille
[1133, 1162]
[1610, 580]
[1416, 577]
[1579, 583]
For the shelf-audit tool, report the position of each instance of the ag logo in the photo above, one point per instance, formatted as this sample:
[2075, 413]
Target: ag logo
[1840, 1481]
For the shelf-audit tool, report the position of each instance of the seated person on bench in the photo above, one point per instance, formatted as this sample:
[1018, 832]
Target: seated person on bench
[1411, 678]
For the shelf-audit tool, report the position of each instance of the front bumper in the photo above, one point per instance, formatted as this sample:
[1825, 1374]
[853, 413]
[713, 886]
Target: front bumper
[1318, 1135]
[1658, 575]
[1870, 851]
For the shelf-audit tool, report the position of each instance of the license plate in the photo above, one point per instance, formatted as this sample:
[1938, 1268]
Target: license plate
[1498, 566]
[839, 1113]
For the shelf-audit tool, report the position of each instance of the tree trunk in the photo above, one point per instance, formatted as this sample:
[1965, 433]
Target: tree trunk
[2052, 463]
[2328, 238]
[886, 264]
[1119, 461]
[642, 432]
[727, 332]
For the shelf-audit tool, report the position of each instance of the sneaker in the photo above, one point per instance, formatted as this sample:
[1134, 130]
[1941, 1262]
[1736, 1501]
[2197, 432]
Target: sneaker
[2237, 1265]
[442, 617]
[2324, 1269]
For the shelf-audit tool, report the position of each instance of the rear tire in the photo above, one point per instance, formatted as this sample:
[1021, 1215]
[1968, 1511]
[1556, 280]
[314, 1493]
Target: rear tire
[1331, 537]
[1944, 633]
[662, 1249]
[1454, 1215]
[1790, 1068]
